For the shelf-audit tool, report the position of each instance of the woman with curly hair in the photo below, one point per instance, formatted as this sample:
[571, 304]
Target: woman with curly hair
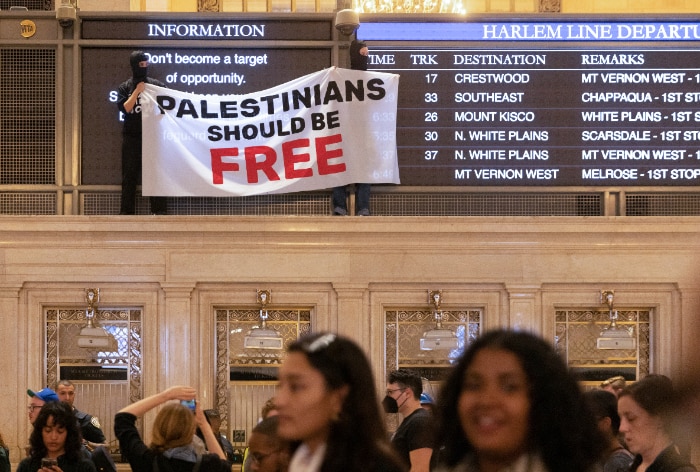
[56, 435]
[511, 404]
[327, 402]
[171, 448]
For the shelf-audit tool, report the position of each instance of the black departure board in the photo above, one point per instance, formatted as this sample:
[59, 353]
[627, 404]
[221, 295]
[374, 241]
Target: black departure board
[218, 55]
[558, 112]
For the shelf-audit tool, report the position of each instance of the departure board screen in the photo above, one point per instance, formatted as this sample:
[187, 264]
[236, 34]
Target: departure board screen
[549, 104]
[178, 56]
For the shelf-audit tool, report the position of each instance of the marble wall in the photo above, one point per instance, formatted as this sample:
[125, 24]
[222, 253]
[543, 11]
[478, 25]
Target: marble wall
[348, 270]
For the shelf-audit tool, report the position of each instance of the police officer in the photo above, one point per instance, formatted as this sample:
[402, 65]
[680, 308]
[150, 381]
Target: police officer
[89, 425]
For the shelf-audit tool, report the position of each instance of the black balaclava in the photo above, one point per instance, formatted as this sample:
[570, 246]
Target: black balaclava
[139, 73]
[357, 60]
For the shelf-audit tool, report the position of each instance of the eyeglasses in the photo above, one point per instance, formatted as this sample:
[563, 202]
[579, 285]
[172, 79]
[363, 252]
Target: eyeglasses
[389, 392]
[31, 408]
[258, 458]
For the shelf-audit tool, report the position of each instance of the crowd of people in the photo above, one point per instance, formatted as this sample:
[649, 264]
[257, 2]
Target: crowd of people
[509, 404]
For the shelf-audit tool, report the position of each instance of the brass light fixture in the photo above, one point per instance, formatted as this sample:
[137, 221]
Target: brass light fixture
[93, 336]
[262, 337]
[438, 338]
[614, 336]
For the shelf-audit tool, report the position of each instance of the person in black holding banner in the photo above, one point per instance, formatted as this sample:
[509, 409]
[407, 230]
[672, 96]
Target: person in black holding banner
[358, 61]
[129, 104]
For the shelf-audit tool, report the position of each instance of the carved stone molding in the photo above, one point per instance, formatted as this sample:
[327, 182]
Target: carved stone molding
[550, 6]
[208, 5]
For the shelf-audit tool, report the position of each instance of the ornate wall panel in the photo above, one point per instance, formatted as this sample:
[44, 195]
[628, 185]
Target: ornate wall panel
[106, 380]
[576, 334]
[245, 378]
[404, 329]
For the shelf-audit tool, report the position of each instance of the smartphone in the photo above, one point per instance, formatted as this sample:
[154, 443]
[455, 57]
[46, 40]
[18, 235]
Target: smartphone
[189, 403]
[46, 462]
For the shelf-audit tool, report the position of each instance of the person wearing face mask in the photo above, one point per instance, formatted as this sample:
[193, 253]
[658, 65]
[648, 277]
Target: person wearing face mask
[413, 439]
[129, 104]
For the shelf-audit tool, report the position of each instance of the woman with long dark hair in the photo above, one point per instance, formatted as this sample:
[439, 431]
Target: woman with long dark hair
[327, 402]
[511, 404]
[56, 437]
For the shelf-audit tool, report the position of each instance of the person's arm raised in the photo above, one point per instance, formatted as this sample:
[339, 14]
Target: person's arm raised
[210, 440]
[178, 392]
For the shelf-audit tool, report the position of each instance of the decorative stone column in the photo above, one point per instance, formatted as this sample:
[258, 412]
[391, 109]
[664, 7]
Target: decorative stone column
[523, 301]
[13, 347]
[353, 312]
[178, 332]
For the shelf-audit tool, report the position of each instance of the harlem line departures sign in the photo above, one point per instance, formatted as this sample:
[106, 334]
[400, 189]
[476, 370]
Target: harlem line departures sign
[544, 103]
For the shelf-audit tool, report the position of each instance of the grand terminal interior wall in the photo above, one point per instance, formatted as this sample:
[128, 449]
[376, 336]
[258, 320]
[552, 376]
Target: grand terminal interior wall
[519, 270]
[346, 271]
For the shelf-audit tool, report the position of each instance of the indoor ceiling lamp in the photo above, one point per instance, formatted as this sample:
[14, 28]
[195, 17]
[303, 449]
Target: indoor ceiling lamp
[438, 338]
[94, 336]
[614, 336]
[262, 337]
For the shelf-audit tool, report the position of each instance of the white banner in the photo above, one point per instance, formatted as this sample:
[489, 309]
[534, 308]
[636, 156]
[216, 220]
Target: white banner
[330, 128]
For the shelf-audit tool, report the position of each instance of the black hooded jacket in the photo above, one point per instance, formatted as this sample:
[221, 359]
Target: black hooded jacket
[132, 120]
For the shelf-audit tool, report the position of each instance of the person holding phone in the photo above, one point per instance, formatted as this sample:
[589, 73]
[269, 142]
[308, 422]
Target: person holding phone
[55, 442]
[171, 447]
[190, 404]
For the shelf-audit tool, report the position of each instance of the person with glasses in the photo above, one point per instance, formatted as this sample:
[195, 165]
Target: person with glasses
[267, 451]
[38, 399]
[268, 410]
[413, 439]
[327, 402]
